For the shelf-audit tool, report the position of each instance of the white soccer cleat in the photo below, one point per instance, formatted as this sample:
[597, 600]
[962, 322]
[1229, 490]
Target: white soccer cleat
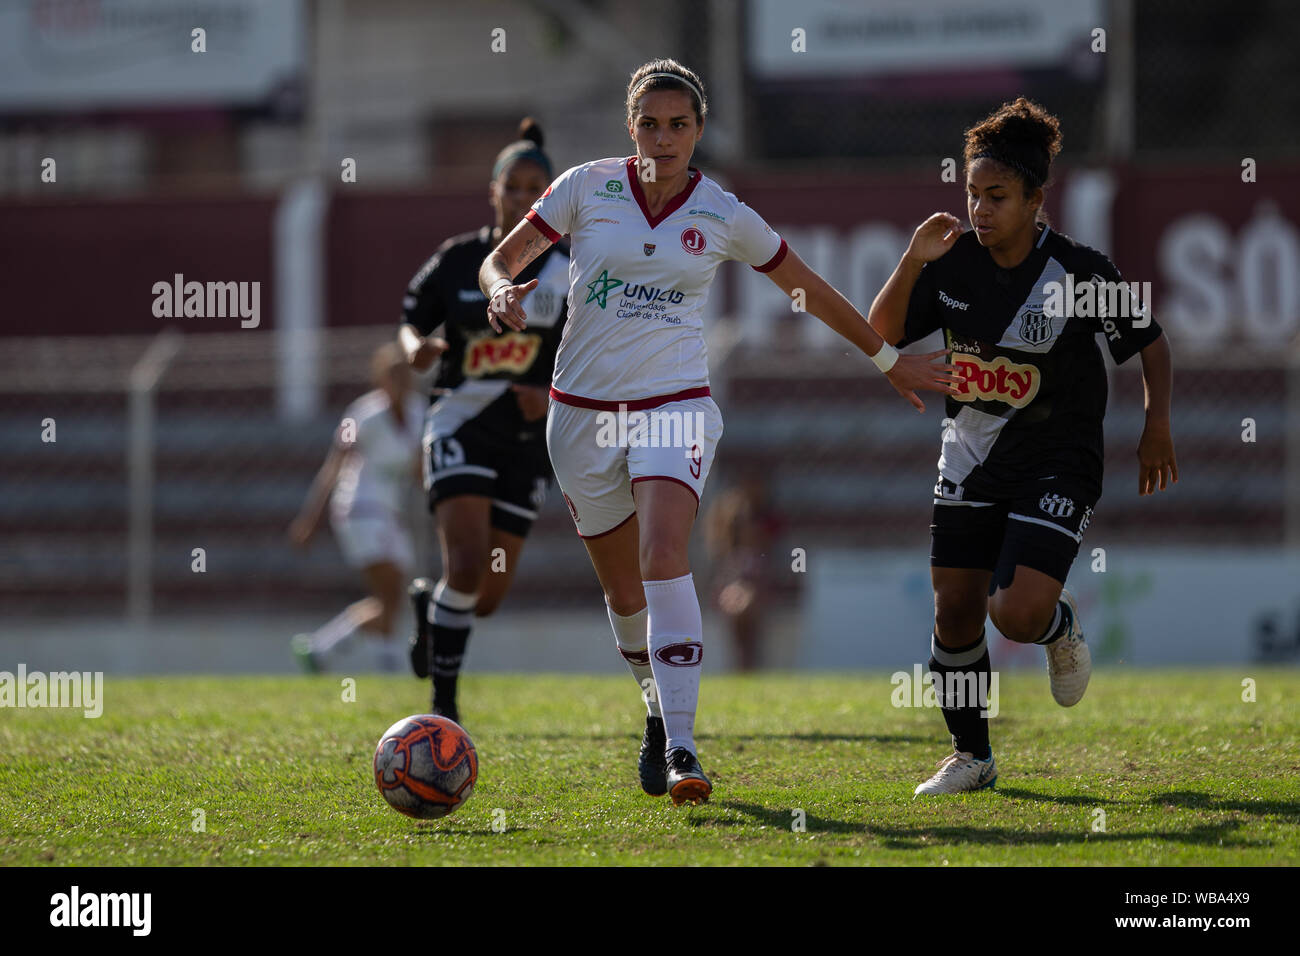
[1069, 662]
[960, 772]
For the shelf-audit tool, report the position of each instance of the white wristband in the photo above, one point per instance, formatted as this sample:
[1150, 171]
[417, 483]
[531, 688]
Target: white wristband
[502, 283]
[886, 357]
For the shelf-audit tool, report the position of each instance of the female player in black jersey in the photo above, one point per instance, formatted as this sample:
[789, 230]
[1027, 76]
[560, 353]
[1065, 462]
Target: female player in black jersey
[1021, 466]
[487, 470]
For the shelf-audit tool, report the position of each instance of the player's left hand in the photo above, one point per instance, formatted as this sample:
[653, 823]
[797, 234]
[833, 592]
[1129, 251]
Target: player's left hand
[533, 401]
[1156, 462]
[506, 308]
[921, 372]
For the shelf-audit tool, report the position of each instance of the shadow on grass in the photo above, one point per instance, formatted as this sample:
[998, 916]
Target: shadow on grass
[1180, 799]
[1192, 800]
[1068, 800]
[724, 738]
[926, 837]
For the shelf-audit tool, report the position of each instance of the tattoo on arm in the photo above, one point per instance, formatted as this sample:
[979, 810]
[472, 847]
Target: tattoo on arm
[531, 250]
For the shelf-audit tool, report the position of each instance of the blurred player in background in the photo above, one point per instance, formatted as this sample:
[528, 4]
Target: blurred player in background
[648, 233]
[486, 469]
[1021, 468]
[365, 480]
[741, 528]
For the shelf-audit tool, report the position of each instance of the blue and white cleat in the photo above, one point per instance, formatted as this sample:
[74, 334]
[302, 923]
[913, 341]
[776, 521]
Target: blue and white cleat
[960, 772]
[1069, 662]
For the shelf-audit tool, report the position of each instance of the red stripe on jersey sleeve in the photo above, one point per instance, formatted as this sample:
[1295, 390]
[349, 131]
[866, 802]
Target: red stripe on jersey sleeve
[545, 228]
[775, 261]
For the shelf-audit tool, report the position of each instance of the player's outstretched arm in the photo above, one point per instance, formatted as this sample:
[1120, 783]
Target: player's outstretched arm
[907, 373]
[304, 526]
[420, 352]
[496, 277]
[1157, 467]
[932, 239]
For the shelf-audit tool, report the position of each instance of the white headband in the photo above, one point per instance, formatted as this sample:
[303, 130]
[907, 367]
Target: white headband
[673, 76]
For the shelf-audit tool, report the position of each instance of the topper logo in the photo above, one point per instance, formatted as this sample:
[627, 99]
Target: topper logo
[513, 352]
[687, 654]
[999, 381]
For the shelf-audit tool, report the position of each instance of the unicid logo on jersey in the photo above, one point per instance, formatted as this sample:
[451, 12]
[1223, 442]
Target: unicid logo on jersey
[1000, 380]
[513, 352]
[693, 241]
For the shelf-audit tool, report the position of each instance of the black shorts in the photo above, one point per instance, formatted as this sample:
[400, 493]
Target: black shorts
[515, 476]
[1041, 527]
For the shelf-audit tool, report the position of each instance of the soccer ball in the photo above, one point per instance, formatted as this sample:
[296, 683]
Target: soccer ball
[425, 766]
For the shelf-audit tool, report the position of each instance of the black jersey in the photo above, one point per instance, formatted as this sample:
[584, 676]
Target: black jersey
[1034, 390]
[476, 372]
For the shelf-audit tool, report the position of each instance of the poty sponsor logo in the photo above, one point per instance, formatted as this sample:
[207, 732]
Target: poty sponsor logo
[1102, 299]
[1000, 380]
[212, 300]
[74, 909]
[81, 690]
[921, 688]
[512, 352]
[656, 428]
[952, 303]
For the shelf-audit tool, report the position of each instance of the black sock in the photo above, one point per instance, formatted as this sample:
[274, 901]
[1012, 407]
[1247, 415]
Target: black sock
[1061, 620]
[448, 652]
[970, 670]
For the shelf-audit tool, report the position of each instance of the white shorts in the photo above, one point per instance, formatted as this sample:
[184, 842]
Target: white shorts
[599, 451]
[371, 539]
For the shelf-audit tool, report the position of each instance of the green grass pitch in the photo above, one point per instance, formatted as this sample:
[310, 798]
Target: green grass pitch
[1183, 769]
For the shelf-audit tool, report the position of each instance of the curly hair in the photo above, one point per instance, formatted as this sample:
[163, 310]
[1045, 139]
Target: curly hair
[672, 76]
[1022, 136]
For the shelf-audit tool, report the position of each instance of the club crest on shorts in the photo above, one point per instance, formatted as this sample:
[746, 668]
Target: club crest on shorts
[1035, 327]
[693, 241]
[1056, 505]
[685, 654]
[648, 248]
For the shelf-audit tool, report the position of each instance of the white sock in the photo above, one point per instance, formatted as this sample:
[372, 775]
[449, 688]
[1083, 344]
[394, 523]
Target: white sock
[675, 648]
[334, 632]
[630, 635]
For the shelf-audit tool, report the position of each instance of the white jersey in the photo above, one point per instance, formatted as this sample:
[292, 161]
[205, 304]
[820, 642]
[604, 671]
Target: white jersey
[375, 476]
[637, 284]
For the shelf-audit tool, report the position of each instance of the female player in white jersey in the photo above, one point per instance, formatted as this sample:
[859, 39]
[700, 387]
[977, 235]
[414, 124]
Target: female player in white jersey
[373, 463]
[647, 233]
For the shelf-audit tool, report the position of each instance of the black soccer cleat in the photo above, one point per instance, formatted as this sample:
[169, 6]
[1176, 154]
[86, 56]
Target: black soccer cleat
[653, 764]
[451, 712]
[421, 592]
[686, 781]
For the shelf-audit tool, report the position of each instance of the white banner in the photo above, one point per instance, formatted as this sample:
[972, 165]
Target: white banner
[844, 37]
[76, 55]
